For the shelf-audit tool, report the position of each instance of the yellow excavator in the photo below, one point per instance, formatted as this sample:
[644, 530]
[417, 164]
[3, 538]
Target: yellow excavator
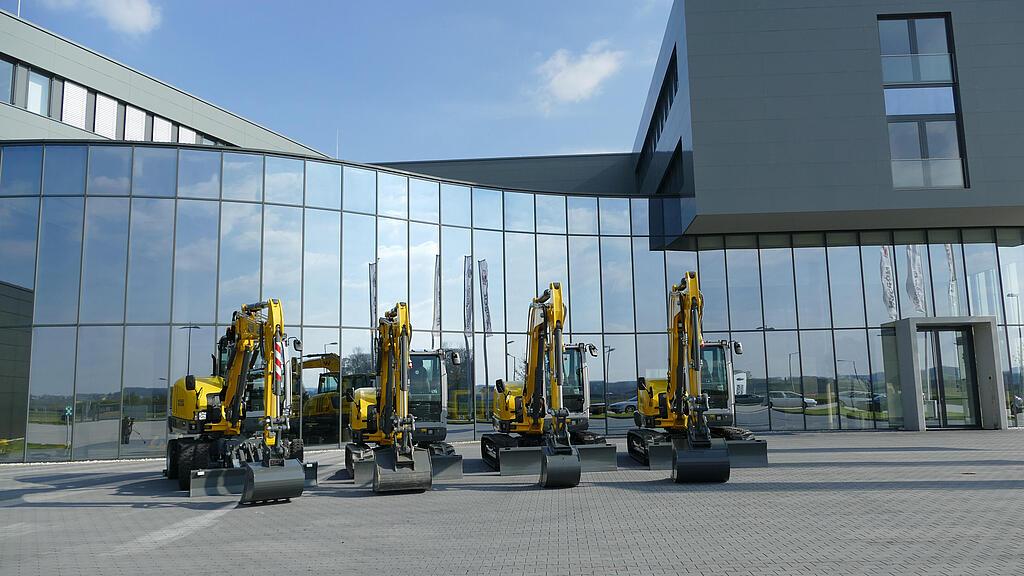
[538, 427]
[677, 404]
[231, 424]
[384, 429]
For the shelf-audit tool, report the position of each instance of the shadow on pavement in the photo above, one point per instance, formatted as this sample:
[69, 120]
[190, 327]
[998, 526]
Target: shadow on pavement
[840, 449]
[843, 486]
[897, 463]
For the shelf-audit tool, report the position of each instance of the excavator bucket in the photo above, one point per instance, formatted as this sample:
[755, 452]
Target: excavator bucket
[560, 467]
[690, 464]
[393, 472]
[277, 482]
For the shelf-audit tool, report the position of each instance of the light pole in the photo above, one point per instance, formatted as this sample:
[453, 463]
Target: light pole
[329, 344]
[515, 361]
[188, 346]
[791, 354]
[604, 389]
[1020, 338]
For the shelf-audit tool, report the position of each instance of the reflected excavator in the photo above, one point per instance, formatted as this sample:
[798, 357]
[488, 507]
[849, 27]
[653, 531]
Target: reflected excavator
[541, 423]
[677, 404]
[233, 423]
[399, 426]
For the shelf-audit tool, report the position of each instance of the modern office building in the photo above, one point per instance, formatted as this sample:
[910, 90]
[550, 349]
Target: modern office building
[832, 169]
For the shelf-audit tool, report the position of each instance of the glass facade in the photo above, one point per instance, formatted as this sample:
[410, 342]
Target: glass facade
[127, 264]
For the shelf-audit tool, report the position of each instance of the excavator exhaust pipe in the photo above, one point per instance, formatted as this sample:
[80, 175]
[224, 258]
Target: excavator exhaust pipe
[393, 472]
[694, 465]
[560, 467]
[270, 483]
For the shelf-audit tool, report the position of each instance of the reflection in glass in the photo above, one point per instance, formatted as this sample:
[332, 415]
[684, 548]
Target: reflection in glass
[392, 195]
[553, 266]
[585, 284]
[744, 289]
[282, 257]
[423, 250]
[455, 205]
[22, 166]
[712, 285]
[359, 249]
[38, 93]
[550, 213]
[620, 381]
[582, 215]
[489, 246]
[424, 200]
[519, 211]
[881, 380]
[750, 382]
[283, 180]
[460, 386]
[906, 101]
[360, 188]
[154, 171]
[640, 210]
[846, 287]
[778, 284]
[819, 380]
[64, 170]
[51, 391]
[521, 283]
[648, 286]
[110, 170]
[785, 393]
[243, 176]
[103, 260]
[614, 216]
[983, 286]
[144, 419]
[811, 287]
[323, 185]
[198, 174]
[487, 211]
[18, 219]
[485, 375]
[149, 260]
[60, 250]
[617, 284]
[191, 349]
[455, 246]
[97, 428]
[879, 274]
[392, 263]
[678, 263]
[195, 261]
[321, 272]
[241, 232]
[858, 405]
[14, 380]
[322, 400]
[1011, 263]
[947, 264]
[914, 274]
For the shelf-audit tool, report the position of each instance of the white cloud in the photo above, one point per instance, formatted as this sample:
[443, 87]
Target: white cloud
[574, 78]
[133, 17]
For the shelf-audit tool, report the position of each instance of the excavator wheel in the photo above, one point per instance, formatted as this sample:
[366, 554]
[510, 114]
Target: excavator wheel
[560, 467]
[184, 465]
[393, 472]
[693, 465]
[295, 450]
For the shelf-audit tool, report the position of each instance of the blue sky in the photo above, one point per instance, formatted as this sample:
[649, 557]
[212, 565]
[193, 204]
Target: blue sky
[399, 80]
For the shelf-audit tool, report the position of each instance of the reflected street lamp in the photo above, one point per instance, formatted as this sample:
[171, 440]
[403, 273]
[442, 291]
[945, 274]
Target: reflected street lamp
[188, 346]
[329, 344]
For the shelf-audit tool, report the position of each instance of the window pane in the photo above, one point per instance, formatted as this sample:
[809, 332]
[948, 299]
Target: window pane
[640, 216]
[489, 246]
[424, 200]
[582, 215]
[585, 284]
[677, 263]
[857, 404]
[777, 276]
[904, 141]
[103, 260]
[1011, 262]
[811, 287]
[550, 213]
[392, 195]
[819, 378]
[519, 211]
[617, 284]
[195, 261]
[64, 171]
[520, 266]
[240, 236]
[321, 274]
[487, 212]
[649, 286]
[455, 205]
[154, 172]
[360, 190]
[423, 250]
[38, 94]
[22, 166]
[16, 348]
[947, 266]
[149, 260]
[144, 423]
[894, 36]
[359, 250]
[983, 285]
[199, 174]
[282, 258]
[323, 185]
[18, 219]
[621, 379]
[191, 348]
[903, 101]
[283, 180]
[845, 283]
[785, 393]
[60, 250]
[96, 431]
[712, 285]
[931, 35]
[110, 170]
[943, 141]
[243, 177]
[455, 245]
[553, 266]
[6, 81]
[744, 289]
[51, 394]
[392, 263]
[879, 283]
[751, 382]
[485, 373]
[913, 272]
[614, 214]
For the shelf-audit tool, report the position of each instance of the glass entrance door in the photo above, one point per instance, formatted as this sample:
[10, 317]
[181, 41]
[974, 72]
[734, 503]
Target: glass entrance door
[949, 381]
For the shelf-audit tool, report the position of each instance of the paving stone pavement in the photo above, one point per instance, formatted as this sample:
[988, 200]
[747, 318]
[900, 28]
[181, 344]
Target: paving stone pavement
[878, 503]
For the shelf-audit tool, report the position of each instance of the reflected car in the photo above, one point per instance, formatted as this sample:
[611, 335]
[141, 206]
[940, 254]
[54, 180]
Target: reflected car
[749, 399]
[787, 399]
[624, 407]
[861, 400]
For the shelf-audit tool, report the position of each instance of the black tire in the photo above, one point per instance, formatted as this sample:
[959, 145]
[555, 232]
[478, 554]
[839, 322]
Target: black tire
[174, 453]
[296, 449]
[201, 456]
[630, 410]
[185, 456]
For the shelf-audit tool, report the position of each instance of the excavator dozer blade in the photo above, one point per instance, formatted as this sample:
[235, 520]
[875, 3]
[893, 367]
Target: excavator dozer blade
[520, 461]
[690, 465]
[216, 482]
[268, 483]
[560, 467]
[446, 466]
[748, 453]
[393, 473]
[309, 470]
[597, 457]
